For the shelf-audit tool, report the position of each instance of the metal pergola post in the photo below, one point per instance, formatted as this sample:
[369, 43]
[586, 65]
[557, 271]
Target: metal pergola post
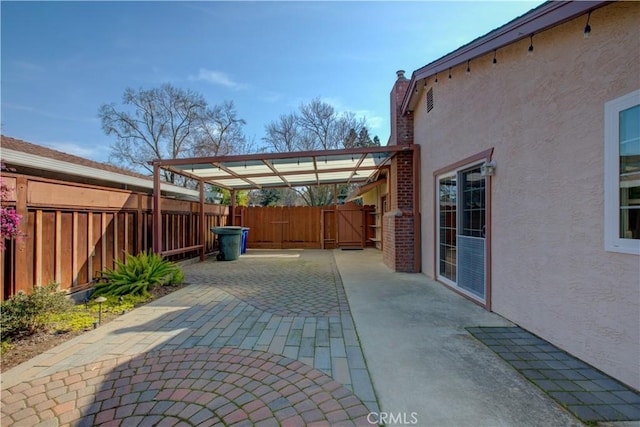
[202, 221]
[157, 216]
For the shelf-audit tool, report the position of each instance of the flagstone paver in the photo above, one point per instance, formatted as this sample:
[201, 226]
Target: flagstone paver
[265, 340]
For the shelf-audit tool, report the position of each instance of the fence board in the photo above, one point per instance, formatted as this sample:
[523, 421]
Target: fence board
[96, 244]
[48, 247]
[66, 256]
[80, 247]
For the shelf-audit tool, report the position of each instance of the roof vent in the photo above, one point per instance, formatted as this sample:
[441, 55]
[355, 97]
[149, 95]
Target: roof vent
[430, 99]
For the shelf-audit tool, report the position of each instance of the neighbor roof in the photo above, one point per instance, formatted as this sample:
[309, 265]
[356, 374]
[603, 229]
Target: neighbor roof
[46, 162]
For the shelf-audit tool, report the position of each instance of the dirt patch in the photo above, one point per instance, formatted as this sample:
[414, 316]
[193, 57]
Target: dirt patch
[29, 347]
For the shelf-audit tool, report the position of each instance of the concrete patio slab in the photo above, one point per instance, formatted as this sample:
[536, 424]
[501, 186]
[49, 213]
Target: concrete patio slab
[424, 364]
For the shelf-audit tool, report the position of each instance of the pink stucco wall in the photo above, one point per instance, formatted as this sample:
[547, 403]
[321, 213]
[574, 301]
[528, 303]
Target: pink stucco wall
[544, 116]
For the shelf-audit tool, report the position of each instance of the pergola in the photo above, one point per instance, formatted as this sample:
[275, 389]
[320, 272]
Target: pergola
[269, 170]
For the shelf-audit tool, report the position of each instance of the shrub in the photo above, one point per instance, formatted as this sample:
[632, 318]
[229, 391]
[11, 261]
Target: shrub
[24, 314]
[77, 319]
[138, 275]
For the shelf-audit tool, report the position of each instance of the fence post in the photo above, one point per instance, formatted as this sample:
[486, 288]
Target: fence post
[21, 273]
[201, 223]
[140, 226]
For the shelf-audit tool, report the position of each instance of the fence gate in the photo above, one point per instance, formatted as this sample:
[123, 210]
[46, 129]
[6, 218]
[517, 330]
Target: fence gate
[350, 226]
[282, 227]
[307, 227]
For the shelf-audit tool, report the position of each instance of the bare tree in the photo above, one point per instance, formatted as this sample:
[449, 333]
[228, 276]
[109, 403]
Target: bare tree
[315, 126]
[168, 123]
[219, 132]
[282, 135]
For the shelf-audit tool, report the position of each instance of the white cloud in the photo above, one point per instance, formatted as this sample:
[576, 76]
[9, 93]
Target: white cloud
[272, 97]
[376, 122]
[28, 66]
[48, 114]
[217, 78]
[75, 149]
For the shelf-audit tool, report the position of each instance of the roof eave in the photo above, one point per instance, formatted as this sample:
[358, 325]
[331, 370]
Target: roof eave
[546, 16]
[26, 159]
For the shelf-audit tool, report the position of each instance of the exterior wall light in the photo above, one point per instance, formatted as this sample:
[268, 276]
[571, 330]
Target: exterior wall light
[587, 27]
[488, 168]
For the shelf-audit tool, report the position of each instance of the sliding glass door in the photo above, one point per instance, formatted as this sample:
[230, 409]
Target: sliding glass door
[462, 231]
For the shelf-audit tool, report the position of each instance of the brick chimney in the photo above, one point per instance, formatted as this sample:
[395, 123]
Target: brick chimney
[401, 126]
[398, 250]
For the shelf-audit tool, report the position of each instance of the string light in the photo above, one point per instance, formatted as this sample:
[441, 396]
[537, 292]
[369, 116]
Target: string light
[495, 61]
[587, 27]
[530, 50]
[436, 77]
[468, 68]
[449, 72]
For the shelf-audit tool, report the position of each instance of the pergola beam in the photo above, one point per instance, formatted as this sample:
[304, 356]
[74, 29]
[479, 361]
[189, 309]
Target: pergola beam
[289, 155]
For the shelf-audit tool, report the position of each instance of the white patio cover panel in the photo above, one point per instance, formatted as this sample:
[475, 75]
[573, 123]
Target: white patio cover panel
[273, 170]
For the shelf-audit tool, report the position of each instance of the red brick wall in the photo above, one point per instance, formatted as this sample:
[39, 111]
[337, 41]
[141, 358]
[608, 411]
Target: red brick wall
[398, 249]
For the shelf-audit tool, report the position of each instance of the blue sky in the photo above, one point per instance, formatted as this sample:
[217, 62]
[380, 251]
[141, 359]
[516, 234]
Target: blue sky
[62, 60]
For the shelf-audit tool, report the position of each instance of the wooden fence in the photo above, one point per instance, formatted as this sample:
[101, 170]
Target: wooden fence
[282, 227]
[307, 227]
[71, 231]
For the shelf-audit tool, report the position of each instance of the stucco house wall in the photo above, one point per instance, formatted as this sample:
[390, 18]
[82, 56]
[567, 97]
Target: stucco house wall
[544, 117]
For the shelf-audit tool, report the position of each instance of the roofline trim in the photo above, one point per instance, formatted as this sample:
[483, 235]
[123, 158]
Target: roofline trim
[31, 160]
[544, 17]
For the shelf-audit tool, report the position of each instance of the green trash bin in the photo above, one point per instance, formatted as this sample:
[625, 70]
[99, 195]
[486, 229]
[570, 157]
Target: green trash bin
[230, 241]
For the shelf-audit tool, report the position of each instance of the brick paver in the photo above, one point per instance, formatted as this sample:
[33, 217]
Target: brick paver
[249, 342]
[588, 393]
[218, 386]
[295, 284]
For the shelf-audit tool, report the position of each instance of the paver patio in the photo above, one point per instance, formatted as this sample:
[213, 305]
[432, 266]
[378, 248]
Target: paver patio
[269, 340]
[265, 340]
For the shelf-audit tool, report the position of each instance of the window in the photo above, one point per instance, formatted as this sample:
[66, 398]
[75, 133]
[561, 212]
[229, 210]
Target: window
[622, 174]
[448, 193]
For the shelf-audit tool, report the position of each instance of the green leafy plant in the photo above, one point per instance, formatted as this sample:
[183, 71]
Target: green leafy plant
[77, 319]
[5, 346]
[24, 314]
[138, 275]
[119, 304]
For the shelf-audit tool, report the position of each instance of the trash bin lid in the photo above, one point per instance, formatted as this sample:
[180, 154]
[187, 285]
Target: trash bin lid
[227, 230]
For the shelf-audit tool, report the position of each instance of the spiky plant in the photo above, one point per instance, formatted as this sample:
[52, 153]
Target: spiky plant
[138, 275]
